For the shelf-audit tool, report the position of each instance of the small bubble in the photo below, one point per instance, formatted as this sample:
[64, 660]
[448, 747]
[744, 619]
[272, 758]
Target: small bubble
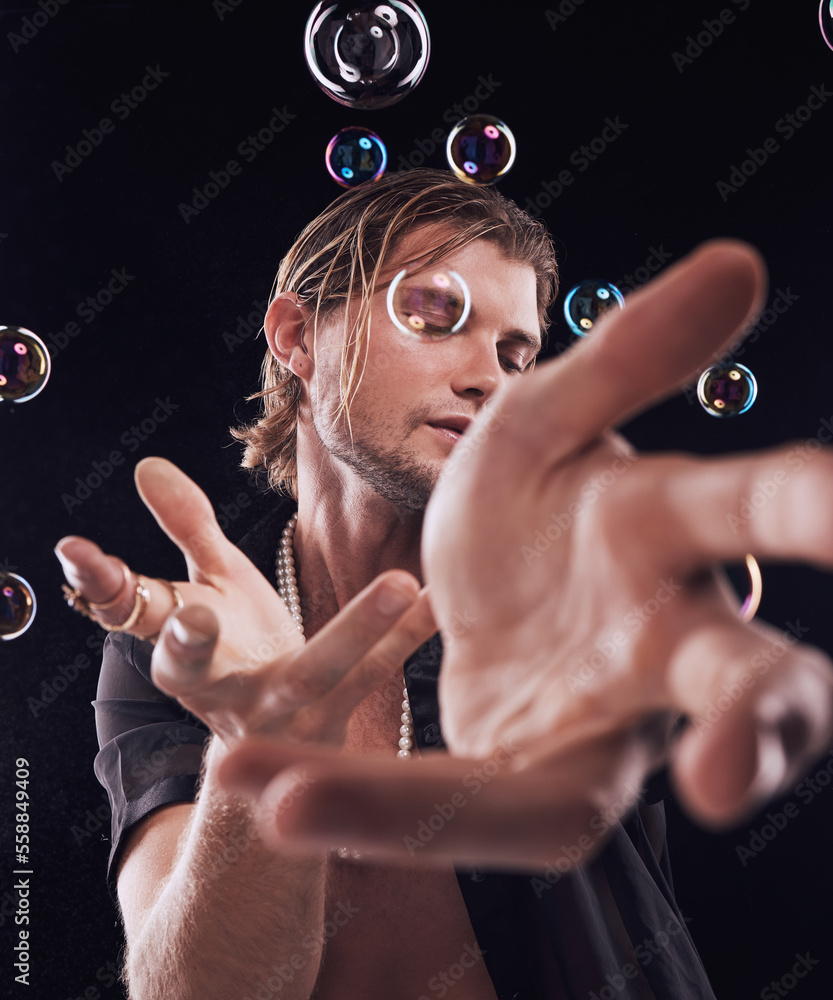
[17, 606]
[480, 149]
[428, 302]
[826, 21]
[24, 364]
[355, 156]
[727, 391]
[367, 55]
[588, 302]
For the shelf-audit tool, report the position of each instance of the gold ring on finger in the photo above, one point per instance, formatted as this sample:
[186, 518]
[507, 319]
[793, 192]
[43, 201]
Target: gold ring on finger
[756, 585]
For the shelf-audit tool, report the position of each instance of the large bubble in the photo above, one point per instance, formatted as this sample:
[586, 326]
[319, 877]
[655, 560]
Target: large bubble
[367, 55]
[826, 21]
[727, 390]
[17, 606]
[356, 155]
[588, 302]
[480, 149]
[24, 364]
[433, 302]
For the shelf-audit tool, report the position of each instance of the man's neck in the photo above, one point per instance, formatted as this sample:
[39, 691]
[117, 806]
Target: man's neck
[346, 536]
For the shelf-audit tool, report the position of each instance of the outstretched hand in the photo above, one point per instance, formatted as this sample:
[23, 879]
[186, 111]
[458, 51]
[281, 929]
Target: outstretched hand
[232, 654]
[575, 587]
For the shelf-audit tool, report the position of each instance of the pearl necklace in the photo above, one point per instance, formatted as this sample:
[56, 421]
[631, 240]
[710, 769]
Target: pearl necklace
[288, 589]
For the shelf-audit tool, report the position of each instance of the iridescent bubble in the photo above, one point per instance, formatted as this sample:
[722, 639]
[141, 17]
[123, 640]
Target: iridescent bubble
[356, 155]
[826, 21]
[24, 364]
[480, 149]
[17, 606]
[727, 390]
[588, 302]
[367, 55]
[431, 302]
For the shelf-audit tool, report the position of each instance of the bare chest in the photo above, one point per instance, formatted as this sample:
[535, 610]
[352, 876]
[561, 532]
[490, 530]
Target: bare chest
[400, 932]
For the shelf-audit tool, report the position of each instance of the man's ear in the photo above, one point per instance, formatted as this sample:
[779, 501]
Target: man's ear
[285, 324]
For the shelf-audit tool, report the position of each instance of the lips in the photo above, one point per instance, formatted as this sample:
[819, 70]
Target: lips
[455, 423]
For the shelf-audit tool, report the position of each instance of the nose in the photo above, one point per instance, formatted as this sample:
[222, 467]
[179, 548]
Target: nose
[476, 373]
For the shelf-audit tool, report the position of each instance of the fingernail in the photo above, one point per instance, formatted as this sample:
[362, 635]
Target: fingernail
[392, 600]
[772, 765]
[189, 636]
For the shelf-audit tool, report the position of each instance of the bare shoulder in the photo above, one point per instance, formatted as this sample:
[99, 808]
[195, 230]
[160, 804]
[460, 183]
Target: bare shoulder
[148, 860]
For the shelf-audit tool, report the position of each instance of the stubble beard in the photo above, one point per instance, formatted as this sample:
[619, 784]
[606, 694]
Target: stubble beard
[395, 476]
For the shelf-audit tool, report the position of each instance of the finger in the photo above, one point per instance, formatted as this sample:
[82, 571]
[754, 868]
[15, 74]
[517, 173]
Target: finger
[383, 660]
[775, 504]
[349, 637]
[186, 516]
[442, 808]
[761, 710]
[99, 577]
[182, 658]
[666, 333]
[106, 580]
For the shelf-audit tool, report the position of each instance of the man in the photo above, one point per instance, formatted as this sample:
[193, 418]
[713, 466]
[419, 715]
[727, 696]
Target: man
[360, 421]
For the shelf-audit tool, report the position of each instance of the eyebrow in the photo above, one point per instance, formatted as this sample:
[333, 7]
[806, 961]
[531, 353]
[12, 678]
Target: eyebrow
[522, 337]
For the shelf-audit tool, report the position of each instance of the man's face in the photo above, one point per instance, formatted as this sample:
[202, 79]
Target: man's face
[418, 394]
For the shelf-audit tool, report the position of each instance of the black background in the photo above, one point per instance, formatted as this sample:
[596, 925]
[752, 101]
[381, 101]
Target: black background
[560, 77]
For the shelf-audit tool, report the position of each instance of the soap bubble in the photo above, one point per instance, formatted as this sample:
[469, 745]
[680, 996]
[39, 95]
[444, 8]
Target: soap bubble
[826, 21]
[588, 302]
[480, 149]
[367, 55]
[727, 390]
[431, 302]
[17, 606]
[356, 155]
[24, 364]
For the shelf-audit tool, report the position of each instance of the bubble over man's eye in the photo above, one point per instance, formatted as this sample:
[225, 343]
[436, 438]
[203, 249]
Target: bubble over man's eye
[588, 302]
[24, 364]
[367, 55]
[429, 303]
